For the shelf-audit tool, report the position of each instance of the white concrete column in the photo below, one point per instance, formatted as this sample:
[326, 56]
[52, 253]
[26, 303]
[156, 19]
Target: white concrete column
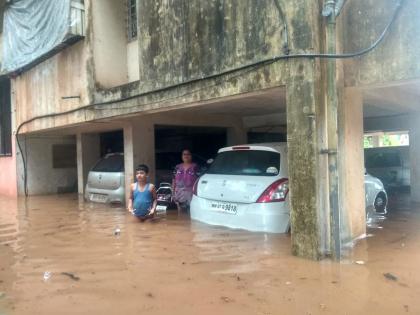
[236, 134]
[351, 165]
[80, 180]
[88, 152]
[128, 159]
[415, 157]
[139, 148]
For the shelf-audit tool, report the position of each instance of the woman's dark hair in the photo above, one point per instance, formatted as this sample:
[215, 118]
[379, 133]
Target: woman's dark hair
[142, 167]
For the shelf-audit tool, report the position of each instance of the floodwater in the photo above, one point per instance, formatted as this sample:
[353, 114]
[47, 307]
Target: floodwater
[59, 255]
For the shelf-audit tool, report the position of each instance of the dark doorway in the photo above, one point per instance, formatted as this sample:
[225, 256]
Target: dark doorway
[112, 142]
[204, 142]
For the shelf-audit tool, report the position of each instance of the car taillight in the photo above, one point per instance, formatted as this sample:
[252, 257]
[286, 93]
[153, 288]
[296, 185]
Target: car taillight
[195, 186]
[276, 192]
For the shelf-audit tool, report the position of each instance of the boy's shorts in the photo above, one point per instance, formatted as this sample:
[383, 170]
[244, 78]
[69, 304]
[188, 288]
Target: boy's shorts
[140, 214]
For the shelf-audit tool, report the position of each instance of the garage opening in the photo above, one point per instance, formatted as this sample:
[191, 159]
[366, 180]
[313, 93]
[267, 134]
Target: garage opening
[204, 142]
[391, 137]
[111, 142]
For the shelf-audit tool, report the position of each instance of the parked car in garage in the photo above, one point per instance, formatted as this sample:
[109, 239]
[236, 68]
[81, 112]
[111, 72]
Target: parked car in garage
[391, 165]
[106, 180]
[247, 187]
[375, 196]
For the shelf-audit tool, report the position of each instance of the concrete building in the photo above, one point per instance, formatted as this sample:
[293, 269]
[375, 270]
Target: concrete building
[250, 68]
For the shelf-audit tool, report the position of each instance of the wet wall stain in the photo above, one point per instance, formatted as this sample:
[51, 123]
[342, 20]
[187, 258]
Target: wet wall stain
[193, 39]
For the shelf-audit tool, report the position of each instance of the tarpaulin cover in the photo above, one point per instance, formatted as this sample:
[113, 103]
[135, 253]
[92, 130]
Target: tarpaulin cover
[31, 29]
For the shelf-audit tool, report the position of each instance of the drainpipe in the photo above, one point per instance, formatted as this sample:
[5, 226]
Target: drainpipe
[329, 12]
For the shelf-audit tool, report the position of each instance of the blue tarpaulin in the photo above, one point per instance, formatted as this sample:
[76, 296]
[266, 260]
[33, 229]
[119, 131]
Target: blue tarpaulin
[32, 29]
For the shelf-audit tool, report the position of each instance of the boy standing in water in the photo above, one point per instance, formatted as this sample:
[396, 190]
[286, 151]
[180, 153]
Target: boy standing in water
[142, 202]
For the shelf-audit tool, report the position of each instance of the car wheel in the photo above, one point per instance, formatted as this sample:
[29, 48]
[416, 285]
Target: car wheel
[380, 203]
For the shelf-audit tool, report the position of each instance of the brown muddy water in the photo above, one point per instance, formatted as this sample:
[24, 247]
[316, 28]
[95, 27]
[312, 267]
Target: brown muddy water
[59, 255]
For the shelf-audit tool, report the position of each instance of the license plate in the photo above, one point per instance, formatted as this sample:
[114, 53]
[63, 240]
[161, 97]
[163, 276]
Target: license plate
[98, 198]
[161, 208]
[230, 208]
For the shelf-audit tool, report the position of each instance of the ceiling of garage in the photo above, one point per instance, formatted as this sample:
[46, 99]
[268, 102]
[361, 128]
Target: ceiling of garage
[392, 100]
[265, 102]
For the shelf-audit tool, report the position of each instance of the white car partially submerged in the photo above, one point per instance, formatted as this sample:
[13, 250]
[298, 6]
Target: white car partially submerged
[245, 187]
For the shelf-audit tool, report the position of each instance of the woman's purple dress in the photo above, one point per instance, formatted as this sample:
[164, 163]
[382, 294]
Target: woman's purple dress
[184, 181]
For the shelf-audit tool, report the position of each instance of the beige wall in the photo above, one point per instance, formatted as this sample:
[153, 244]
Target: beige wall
[351, 165]
[109, 42]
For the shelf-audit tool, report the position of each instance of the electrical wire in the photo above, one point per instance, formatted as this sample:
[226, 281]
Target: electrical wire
[250, 67]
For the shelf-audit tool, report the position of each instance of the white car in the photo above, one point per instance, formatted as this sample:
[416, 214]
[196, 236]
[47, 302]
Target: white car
[246, 187]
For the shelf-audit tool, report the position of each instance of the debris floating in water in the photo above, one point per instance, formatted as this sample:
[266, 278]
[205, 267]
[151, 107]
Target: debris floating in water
[47, 275]
[359, 262]
[390, 276]
[71, 276]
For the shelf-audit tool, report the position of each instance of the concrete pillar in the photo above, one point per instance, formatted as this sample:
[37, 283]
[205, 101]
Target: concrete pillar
[128, 159]
[80, 179]
[88, 152]
[307, 179]
[351, 165]
[414, 157]
[236, 135]
[139, 148]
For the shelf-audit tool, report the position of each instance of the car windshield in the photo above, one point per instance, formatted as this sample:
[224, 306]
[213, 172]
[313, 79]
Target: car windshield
[246, 162]
[112, 163]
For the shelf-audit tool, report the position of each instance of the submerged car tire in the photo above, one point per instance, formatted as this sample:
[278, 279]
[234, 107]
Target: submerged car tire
[380, 203]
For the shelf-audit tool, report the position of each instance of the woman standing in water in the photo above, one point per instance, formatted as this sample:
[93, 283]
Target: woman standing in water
[185, 175]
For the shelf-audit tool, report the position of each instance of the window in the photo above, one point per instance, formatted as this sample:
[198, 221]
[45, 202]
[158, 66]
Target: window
[386, 139]
[132, 19]
[246, 162]
[5, 118]
[110, 163]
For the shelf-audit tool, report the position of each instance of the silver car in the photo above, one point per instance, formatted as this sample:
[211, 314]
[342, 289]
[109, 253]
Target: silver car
[106, 180]
[375, 196]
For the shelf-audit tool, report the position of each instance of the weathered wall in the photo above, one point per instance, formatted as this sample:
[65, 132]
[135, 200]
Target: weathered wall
[42, 177]
[396, 58]
[306, 136]
[41, 90]
[181, 40]
[109, 42]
